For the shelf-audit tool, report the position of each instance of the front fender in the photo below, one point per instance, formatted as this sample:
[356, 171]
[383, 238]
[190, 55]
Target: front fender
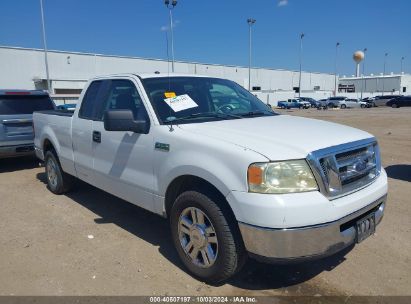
[222, 164]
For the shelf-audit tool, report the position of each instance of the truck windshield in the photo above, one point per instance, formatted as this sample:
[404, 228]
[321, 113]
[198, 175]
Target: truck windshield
[200, 99]
[24, 104]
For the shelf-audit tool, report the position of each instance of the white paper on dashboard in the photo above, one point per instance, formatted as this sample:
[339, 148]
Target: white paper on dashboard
[181, 103]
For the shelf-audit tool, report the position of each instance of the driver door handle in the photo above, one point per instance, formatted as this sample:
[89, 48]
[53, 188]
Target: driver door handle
[97, 136]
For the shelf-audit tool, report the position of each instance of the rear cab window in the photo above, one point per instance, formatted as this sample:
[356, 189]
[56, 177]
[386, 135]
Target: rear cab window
[88, 108]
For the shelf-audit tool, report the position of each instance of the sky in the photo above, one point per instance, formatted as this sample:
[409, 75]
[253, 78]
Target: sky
[216, 31]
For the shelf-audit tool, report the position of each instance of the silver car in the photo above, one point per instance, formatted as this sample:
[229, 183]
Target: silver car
[16, 120]
[353, 103]
[335, 102]
[381, 101]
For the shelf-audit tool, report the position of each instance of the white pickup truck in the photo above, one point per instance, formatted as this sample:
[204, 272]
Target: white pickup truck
[234, 178]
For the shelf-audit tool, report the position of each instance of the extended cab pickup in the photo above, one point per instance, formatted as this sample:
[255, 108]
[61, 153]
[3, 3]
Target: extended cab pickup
[205, 153]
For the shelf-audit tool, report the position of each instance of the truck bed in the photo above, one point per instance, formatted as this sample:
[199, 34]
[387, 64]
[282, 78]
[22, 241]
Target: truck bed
[55, 124]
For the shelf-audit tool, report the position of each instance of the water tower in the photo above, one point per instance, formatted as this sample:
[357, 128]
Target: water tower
[358, 57]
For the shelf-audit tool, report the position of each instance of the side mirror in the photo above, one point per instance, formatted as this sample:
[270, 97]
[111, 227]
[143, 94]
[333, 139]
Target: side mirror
[123, 120]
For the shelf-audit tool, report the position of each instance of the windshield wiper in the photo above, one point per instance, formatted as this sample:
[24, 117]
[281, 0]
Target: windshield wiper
[204, 115]
[256, 113]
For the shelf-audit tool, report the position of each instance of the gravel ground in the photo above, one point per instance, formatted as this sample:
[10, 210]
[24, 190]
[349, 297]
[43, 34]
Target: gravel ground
[91, 243]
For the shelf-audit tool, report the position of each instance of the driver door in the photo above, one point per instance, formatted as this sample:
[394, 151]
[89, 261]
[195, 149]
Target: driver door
[123, 162]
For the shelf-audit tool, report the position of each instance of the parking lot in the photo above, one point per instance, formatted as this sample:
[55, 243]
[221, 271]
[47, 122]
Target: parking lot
[90, 243]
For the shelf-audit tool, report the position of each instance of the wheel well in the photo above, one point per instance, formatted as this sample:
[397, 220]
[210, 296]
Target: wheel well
[47, 146]
[190, 182]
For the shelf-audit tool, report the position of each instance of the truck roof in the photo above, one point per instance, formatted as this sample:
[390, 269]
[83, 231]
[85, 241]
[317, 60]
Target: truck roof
[151, 75]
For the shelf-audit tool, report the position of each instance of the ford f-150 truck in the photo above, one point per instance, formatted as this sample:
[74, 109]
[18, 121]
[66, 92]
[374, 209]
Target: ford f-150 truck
[205, 153]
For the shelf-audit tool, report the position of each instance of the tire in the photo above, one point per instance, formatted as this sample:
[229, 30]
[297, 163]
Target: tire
[343, 106]
[226, 248]
[394, 105]
[58, 181]
[362, 106]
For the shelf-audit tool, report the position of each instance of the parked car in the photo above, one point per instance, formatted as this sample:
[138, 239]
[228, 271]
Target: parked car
[369, 101]
[335, 102]
[403, 101]
[67, 107]
[303, 103]
[382, 100]
[322, 104]
[230, 187]
[16, 113]
[353, 103]
[313, 103]
[293, 103]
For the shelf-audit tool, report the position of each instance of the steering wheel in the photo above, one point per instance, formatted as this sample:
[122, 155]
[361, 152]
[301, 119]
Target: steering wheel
[225, 108]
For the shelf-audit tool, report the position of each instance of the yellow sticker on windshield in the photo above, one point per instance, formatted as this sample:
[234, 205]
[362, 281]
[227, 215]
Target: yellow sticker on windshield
[170, 94]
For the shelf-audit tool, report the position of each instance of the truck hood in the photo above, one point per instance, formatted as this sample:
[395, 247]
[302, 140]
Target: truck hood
[278, 137]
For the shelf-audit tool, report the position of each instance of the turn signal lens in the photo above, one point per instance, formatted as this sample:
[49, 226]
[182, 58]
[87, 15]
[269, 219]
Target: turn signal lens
[255, 175]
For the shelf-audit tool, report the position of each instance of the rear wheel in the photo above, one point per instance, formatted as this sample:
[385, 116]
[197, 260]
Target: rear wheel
[210, 248]
[343, 106]
[362, 106]
[394, 105]
[58, 181]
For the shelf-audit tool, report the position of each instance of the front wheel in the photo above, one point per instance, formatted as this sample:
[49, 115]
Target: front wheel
[362, 106]
[58, 181]
[394, 105]
[208, 244]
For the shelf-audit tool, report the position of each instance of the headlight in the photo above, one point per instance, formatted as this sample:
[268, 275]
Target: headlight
[281, 177]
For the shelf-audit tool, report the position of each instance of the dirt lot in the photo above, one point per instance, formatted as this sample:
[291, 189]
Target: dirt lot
[91, 243]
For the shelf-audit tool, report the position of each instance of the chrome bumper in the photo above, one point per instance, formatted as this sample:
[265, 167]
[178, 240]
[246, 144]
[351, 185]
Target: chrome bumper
[307, 242]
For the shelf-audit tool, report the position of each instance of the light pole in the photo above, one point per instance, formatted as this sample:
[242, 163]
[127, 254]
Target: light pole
[335, 68]
[170, 7]
[402, 61]
[45, 47]
[301, 62]
[250, 22]
[364, 82]
[383, 74]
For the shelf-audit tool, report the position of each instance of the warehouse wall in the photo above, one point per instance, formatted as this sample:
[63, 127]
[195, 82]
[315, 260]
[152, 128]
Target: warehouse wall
[21, 67]
[377, 84]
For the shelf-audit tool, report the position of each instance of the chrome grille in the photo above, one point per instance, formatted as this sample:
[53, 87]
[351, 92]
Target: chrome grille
[346, 168]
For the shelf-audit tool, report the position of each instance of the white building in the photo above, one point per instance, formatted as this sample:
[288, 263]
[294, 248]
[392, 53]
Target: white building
[23, 68]
[376, 85]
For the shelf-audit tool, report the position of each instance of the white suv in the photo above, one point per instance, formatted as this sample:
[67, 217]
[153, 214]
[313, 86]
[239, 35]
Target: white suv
[353, 103]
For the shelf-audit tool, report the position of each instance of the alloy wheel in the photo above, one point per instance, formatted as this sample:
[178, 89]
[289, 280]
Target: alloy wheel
[198, 237]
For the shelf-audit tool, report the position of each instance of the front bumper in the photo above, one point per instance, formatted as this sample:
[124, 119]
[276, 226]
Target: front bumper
[307, 242]
[16, 150]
